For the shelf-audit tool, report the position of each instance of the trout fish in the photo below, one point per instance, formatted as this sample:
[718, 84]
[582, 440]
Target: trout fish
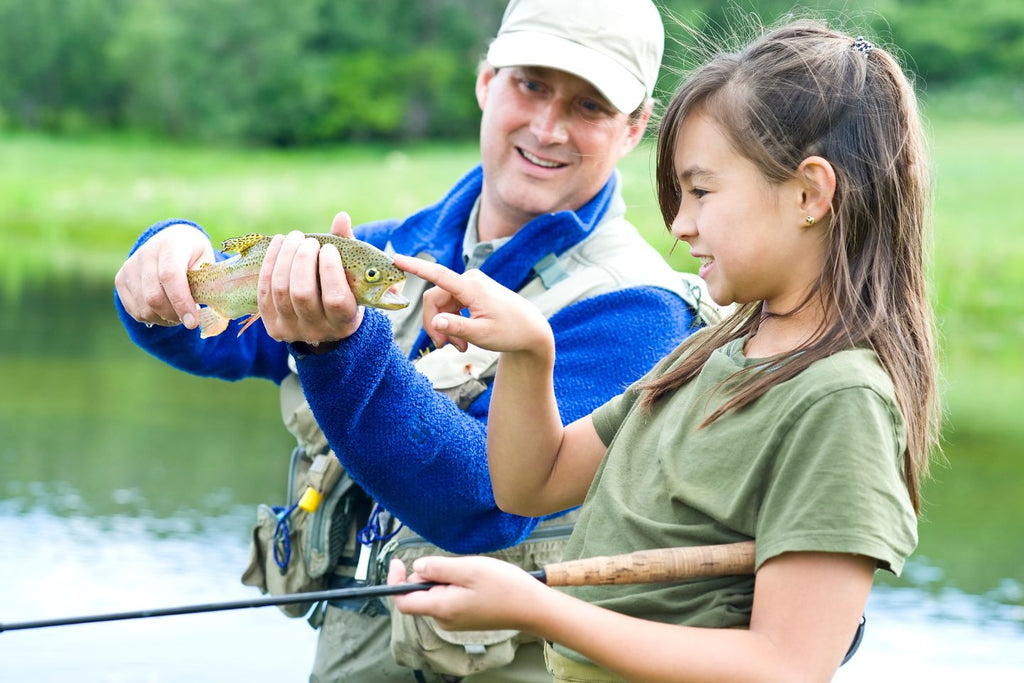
[227, 289]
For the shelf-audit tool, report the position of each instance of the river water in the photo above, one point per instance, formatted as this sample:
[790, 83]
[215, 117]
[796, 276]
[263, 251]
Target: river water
[127, 485]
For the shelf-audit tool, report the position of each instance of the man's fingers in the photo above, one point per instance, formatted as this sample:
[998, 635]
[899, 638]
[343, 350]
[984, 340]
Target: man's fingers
[342, 225]
[339, 302]
[267, 269]
[304, 286]
[153, 304]
[173, 277]
[280, 277]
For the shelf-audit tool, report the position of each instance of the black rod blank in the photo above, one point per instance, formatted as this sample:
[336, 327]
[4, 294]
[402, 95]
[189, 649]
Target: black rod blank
[265, 601]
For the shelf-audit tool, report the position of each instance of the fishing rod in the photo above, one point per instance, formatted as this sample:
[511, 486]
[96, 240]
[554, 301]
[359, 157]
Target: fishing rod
[644, 566]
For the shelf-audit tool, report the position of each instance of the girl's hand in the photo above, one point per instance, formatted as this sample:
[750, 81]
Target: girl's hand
[499, 319]
[479, 593]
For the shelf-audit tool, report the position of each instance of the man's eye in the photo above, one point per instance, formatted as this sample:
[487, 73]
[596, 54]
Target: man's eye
[592, 107]
[530, 85]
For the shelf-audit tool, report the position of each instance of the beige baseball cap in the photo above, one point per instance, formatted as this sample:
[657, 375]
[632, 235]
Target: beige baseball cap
[614, 44]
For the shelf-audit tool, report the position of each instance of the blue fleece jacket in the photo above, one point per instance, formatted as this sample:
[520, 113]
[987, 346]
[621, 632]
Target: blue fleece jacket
[408, 446]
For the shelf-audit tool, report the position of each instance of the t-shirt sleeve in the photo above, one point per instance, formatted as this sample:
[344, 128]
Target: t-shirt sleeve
[837, 484]
[609, 416]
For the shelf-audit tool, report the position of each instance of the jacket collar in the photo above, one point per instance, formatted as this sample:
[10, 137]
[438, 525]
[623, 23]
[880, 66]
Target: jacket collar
[439, 230]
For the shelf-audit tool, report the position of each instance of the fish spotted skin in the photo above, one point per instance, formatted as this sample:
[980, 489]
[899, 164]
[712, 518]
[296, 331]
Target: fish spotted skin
[227, 289]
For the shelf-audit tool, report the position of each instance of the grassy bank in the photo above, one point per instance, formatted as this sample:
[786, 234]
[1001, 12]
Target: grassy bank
[70, 209]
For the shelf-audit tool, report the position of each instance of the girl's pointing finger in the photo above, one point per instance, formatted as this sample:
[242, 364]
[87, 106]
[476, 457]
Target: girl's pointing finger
[434, 273]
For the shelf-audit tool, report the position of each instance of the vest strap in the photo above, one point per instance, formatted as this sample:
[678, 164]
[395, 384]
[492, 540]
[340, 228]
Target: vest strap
[550, 271]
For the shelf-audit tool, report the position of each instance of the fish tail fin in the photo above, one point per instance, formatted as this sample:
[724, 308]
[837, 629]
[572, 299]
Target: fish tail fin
[248, 321]
[211, 323]
[243, 243]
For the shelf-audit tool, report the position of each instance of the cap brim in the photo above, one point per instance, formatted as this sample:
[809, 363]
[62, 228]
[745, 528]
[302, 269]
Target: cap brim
[621, 88]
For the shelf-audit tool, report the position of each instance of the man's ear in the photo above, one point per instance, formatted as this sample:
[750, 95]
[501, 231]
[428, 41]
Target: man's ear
[637, 128]
[484, 75]
[817, 180]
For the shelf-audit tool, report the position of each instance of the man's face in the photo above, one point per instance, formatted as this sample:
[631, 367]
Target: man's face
[549, 142]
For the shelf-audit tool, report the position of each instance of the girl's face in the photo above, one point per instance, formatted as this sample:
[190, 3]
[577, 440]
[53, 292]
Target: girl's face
[750, 236]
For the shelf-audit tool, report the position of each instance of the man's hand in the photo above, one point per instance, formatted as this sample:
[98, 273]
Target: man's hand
[303, 291]
[152, 284]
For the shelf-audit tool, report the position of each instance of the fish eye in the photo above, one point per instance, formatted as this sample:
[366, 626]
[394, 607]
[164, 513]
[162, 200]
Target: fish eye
[372, 274]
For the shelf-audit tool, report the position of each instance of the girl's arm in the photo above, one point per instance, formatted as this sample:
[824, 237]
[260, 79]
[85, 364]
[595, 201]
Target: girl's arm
[425, 460]
[806, 610]
[536, 466]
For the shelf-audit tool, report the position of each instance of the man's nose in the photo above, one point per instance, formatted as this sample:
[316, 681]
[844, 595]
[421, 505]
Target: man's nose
[549, 124]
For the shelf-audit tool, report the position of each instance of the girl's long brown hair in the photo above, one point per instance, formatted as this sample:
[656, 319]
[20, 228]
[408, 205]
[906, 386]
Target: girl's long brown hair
[803, 90]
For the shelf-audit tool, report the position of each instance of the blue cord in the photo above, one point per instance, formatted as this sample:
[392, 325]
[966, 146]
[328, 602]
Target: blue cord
[374, 529]
[283, 537]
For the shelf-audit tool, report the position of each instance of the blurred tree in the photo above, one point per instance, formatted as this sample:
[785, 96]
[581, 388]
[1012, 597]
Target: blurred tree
[219, 69]
[311, 71]
[958, 39]
[53, 71]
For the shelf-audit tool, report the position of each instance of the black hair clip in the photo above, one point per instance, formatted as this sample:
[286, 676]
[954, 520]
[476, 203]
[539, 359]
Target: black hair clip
[861, 45]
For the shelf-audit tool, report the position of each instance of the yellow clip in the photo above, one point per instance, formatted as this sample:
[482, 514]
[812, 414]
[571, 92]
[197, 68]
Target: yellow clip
[310, 500]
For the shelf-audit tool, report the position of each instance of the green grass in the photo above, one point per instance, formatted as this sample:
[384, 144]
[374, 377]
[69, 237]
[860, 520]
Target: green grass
[979, 273]
[71, 209]
[74, 208]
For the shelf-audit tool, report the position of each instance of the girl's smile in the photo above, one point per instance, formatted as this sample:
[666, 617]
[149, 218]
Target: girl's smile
[705, 265]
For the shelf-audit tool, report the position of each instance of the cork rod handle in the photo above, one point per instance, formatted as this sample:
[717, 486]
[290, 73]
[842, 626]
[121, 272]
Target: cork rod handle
[651, 566]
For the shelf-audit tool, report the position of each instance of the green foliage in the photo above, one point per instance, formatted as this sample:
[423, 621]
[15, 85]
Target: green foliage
[320, 71]
[965, 40]
[53, 63]
[218, 69]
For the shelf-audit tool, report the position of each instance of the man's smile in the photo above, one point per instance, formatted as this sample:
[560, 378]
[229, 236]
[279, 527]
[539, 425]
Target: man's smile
[534, 159]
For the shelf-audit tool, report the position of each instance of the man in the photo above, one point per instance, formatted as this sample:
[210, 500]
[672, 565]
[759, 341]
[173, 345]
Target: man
[565, 92]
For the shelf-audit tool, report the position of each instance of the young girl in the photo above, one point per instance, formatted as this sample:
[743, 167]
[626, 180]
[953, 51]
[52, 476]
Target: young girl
[795, 171]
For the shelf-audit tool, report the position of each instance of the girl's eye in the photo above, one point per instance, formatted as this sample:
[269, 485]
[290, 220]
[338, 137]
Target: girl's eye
[698, 192]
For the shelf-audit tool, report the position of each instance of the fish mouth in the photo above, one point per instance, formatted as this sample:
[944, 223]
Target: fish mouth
[391, 299]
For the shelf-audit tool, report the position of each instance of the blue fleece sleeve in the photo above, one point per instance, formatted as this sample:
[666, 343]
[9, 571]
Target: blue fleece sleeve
[425, 460]
[226, 356]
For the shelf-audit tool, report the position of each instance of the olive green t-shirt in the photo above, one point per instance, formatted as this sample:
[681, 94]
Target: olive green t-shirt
[812, 465]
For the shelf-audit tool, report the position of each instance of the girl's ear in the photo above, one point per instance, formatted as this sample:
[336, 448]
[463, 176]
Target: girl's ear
[818, 186]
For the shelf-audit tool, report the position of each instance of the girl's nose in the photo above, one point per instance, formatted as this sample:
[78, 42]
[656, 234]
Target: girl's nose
[683, 226]
[549, 124]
